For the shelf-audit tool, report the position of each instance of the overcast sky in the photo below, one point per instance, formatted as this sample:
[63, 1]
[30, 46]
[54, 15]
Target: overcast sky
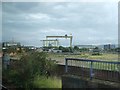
[88, 22]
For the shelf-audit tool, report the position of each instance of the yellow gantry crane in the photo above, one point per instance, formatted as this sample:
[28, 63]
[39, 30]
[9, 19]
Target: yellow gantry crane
[66, 36]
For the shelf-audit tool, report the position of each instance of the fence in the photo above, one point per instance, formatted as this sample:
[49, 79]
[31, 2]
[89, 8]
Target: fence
[99, 69]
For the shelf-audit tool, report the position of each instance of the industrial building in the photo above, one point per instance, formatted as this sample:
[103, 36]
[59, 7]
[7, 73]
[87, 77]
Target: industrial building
[109, 46]
[86, 46]
[11, 43]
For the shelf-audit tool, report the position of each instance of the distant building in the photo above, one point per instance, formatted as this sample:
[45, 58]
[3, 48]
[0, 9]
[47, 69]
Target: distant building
[28, 48]
[86, 46]
[109, 46]
[39, 50]
[56, 51]
[8, 44]
[32, 47]
[53, 50]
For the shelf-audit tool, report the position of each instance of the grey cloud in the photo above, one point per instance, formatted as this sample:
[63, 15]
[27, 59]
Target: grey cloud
[88, 22]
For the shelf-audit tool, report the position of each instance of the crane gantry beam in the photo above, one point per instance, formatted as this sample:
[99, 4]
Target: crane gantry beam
[58, 36]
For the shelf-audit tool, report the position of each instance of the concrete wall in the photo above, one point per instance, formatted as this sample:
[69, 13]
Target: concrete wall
[71, 81]
[74, 78]
[85, 72]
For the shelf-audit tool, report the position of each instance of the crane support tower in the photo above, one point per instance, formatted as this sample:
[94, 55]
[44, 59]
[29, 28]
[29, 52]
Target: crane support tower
[66, 36]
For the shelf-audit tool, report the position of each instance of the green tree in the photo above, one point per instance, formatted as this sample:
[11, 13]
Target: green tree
[96, 51]
[61, 47]
[23, 71]
[84, 49]
[76, 48]
[65, 49]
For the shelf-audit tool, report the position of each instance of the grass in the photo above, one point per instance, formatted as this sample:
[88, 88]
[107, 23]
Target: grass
[107, 57]
[104, 57]
[43, 82]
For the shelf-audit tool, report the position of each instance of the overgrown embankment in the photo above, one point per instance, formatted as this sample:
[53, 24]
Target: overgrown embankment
[30, 72]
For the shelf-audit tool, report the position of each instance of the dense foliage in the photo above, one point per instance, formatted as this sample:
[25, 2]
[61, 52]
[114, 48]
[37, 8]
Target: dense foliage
[65, 49]
[22, 73]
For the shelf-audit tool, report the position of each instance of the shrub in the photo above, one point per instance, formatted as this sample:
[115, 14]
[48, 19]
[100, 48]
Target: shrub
[23, 71]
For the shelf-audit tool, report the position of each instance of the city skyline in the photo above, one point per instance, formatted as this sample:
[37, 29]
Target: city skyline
[89, 23]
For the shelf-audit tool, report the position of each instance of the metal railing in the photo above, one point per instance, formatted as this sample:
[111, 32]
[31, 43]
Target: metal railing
[105, 70]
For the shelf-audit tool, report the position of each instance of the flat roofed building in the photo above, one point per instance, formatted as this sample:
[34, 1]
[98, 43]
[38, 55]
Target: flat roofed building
[7, 44]
[86, 46]
[109, 46]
